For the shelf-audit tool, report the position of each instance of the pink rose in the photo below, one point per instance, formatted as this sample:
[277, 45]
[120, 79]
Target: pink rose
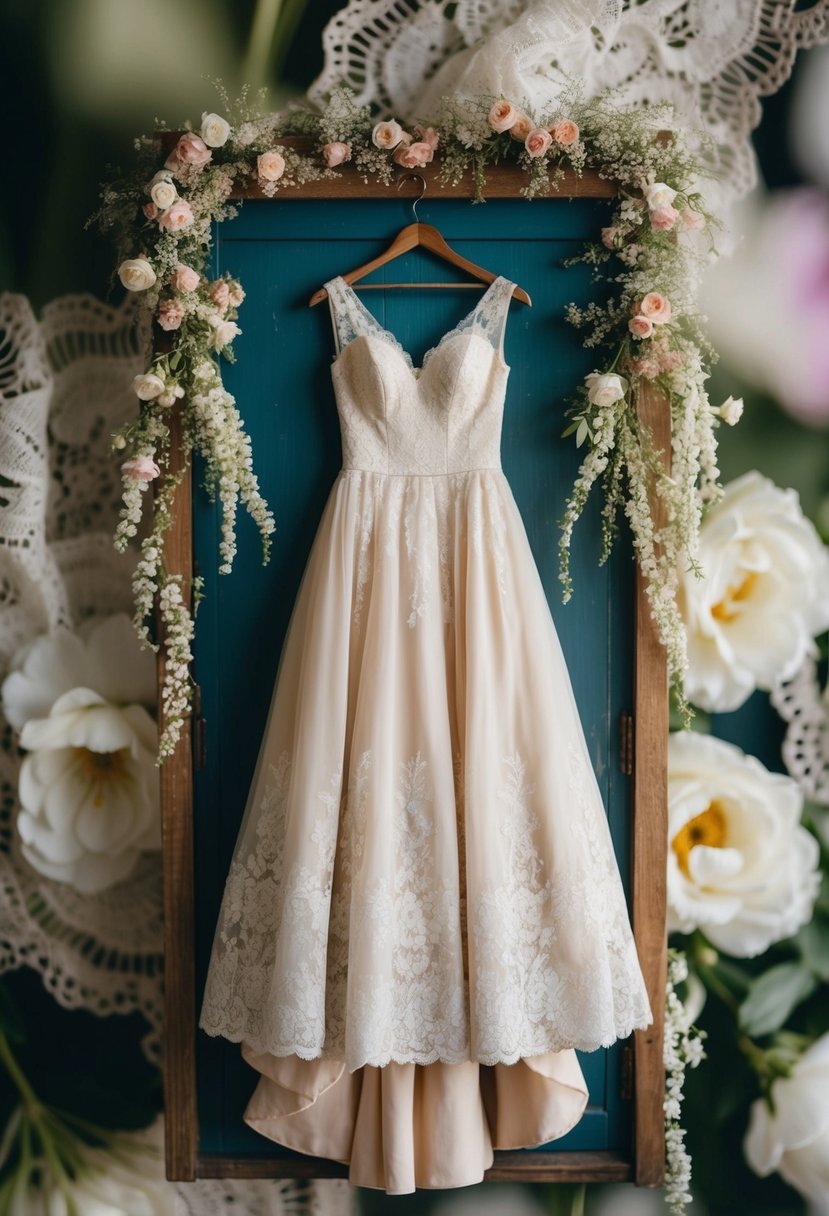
[186, 278]
[170, 314]
[565, 133]
[336, 154]
[237, 294]
[190, 150]
[502, 116]
[140, 468]
[387, 135]
[609, 237]
[664, 218]
[219, 293]
[655, 307]
[270, 166]
[537, 142]
[521, 128]
[640, 327]
[693, 219]
[428, 135]
[179, 216]
[413, 156]
[150, 210]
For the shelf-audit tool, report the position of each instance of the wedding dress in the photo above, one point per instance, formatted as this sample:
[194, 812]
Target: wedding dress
[423, 917]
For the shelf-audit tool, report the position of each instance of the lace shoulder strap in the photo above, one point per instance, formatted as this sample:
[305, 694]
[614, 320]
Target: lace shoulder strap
[489, 319]
[349, 316]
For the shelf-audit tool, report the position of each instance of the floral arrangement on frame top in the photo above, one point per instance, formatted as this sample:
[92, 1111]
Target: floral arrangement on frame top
[646, 333]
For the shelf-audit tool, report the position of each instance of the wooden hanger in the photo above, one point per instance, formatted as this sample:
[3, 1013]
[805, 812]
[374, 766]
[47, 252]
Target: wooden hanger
[419, 236]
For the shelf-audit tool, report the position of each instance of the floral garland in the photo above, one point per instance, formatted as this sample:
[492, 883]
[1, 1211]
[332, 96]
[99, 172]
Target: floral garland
[161, 216]
[682, 1049]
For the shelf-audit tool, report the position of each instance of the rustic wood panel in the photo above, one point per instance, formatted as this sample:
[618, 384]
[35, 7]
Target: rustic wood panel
[650, 844]
[181, 1124]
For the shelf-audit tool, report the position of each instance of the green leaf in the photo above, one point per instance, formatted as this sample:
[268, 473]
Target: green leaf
[813, 943]
[582, 433]
[773, 996]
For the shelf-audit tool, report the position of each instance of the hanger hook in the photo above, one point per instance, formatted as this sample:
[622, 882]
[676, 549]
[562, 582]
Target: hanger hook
[414, 177]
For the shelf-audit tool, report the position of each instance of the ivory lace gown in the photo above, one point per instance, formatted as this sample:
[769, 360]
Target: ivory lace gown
[423, 916]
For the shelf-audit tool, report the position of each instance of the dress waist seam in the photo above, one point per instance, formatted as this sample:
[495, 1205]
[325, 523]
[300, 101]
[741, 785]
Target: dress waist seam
[428, 476]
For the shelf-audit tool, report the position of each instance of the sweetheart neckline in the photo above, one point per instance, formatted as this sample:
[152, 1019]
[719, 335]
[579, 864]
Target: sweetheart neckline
[394, 342]
[394, 345]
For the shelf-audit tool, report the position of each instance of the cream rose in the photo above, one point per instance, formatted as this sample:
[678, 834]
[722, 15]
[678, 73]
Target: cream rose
[565, 133]
[793, 1136]
[763, 597]
[136, 274]
[191, 150]
[387, 135]
[640, 327]
[186, 278]
[223, 331]
[147, 386]
[537, 143]
[177, 217]
[659, 195]
[655, 307]
[413, 156]
[336, 153]
[270, 166]
[521, 128]
[740, 865]
[215, 130]
[605, 388]
[502, 115]
[163, 191]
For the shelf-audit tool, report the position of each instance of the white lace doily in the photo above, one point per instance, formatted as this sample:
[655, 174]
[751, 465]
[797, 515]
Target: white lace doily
[64, 387]
[805, 707]
[283, 1197]
[714, 59]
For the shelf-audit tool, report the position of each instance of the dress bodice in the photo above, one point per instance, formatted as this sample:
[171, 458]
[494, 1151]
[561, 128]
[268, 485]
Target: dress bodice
[444, 417]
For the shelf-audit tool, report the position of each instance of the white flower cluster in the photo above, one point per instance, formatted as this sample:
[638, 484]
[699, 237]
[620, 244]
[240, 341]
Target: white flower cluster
[177, 687]
[682, 1049]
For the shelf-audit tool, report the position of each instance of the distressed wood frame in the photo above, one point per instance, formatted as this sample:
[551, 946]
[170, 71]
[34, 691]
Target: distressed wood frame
[646, 733]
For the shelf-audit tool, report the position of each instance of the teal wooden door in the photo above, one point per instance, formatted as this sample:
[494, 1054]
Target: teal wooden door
[282, 251]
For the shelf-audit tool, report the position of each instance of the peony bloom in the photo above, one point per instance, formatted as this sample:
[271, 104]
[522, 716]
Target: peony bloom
[731, 410]
[663, 219]
[147, 386]
[387, 135]
[640, 327]
[163, 191]
[170, 314]
[136, 274]
[502, 116]
[413, 156]
[764, 596]
[741, 867]
[270, 166]
[659, 195]
[190, 151]
[177, 217]
[792, 1137]
[537, 143]
[140, 468]
[215, 130]
[186, 278]
[605, 388]
[565, 133]
[336, 153]
[219, 292]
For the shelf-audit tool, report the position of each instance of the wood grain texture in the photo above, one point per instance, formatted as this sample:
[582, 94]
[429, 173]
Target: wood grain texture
[181, 1123]
[650, 843]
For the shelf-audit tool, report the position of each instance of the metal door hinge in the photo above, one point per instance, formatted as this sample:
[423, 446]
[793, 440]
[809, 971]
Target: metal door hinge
[199, 732]
[626, 743]
[626, 1073]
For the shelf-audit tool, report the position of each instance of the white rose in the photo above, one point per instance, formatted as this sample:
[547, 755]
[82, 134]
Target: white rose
[793, 1139]
[731, 410]
[605, 388]
[136, 274]
[163, 193]
[740, 865]
[223, 331]
[147, 386]
[214, 130]
[659, 195]
[764, 596]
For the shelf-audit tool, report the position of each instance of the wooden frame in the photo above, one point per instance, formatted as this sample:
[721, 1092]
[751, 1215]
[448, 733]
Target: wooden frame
[645, 740]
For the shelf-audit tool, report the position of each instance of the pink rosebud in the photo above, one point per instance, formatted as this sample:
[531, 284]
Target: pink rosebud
[521, 128]
[179, 216]
[428, 135]
[336, 153]
[150, 210]
[655, 307]
[140, 468]
[609, 237]
[270, 166]
[640, 327]
[190, 150]
[537, 143]
[170, 314]
[186, 278]
[664, 218]
[693, 219]
[219, 293]
[565, 133]
[413, 156]
[502, 116]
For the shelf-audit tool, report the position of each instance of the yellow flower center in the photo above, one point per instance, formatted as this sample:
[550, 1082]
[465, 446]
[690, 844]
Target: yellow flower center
[725, 609]
[104, 768]
[708, 828]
